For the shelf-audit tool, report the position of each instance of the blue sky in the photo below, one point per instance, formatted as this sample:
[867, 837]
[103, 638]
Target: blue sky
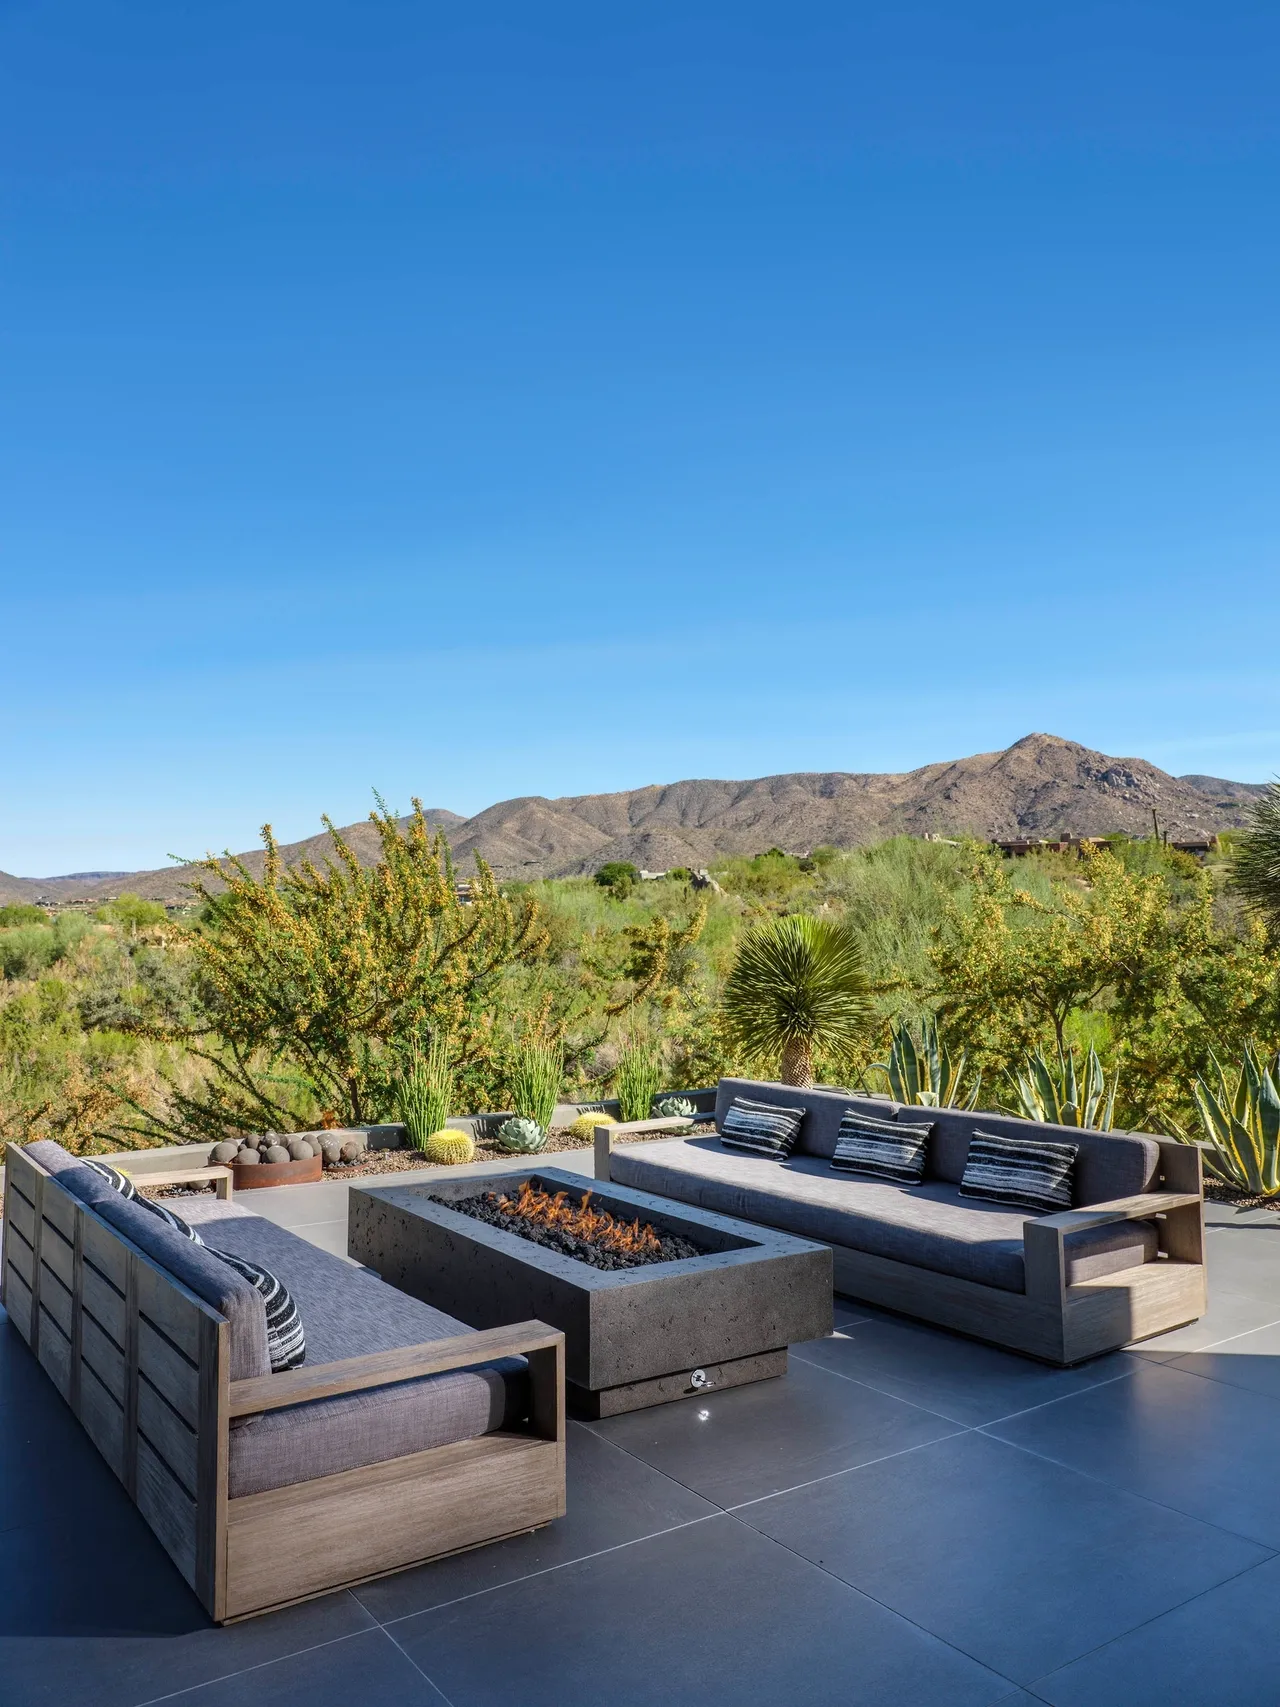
[470, 402]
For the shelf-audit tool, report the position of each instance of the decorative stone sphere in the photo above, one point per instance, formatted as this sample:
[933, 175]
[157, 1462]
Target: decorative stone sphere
[250, 1141]
[247, 1155]
[331, 1150]
[221, 1154]
[352, 1150]
[300, 1150]
[277, 1153]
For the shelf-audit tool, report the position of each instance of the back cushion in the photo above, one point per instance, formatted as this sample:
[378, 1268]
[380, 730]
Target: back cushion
[823, 1106]
[1109, 1165]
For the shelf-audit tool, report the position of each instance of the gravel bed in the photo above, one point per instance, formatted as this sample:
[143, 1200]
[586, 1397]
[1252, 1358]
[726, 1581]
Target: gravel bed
[1216, 1191]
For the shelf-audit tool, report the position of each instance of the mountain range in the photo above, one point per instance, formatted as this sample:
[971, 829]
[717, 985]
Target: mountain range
[1040, 786]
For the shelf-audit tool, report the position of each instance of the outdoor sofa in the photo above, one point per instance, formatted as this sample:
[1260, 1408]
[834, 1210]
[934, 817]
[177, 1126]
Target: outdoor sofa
[1126, 1261]
[403, 1435]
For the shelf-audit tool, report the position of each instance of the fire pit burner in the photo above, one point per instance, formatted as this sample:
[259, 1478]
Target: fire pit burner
[576, 1229]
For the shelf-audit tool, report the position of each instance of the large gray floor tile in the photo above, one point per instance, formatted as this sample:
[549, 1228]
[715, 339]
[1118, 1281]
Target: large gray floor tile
[1018, 1561]
[714, 1615]
[138, 1653]
[1249, 1360]
[612, 1498]
[1229, 1313]
[750, 1441]
[365, 1671]
[1202, 1447]
[1220, 1650]
[959, 1379]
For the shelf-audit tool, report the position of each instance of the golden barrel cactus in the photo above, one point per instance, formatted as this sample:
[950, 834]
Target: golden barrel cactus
[449, 1147]
[585, 1124]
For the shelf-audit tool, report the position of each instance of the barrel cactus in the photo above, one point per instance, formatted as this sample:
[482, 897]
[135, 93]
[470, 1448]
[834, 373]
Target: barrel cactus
[449, 1147]
[674, 1108]
[584, 1126]
[522, 1136]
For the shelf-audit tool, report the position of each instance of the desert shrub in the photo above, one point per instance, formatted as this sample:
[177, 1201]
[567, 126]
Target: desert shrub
[19, 913]
[637, 1079]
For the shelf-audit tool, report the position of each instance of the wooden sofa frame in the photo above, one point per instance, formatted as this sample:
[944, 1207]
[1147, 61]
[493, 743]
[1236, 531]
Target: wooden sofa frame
[145, 1366]
[1052, 1321]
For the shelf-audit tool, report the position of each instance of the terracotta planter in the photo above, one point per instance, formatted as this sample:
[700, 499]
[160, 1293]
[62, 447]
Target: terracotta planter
[259, 1174]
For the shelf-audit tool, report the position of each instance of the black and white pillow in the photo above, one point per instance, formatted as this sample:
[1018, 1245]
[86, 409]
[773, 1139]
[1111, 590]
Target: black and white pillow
[881, 1148]
[114, 1178]
[286, 1342]
[1029, 1173]
[170, 1219]
[762, 1127]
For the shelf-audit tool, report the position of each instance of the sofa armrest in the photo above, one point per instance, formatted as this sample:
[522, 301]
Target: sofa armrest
[1044, 1256]
[215, 1174]
[407, 1363]
[1139, 1208]
[605, 1135]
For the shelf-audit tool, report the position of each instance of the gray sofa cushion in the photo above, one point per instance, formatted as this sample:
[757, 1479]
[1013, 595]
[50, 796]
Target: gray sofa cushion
[1109, 1165]
[823, 1106]
[929, 1226]
[347, 1312]
[211, 1280]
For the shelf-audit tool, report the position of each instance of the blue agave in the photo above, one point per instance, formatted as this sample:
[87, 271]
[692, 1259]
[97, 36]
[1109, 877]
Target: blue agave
[522, 1136]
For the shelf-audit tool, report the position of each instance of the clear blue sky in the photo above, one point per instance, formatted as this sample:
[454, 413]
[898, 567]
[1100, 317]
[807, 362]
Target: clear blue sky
[502, 399]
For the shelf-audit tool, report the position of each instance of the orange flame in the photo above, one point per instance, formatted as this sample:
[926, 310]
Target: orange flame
[594, 1225]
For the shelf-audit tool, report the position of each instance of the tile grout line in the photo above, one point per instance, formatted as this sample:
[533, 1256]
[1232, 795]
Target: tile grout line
[1115, 1487]
[1154, 1619]
[408, 1656]
[1096, 1387]
[546, 1571]
[277, 1659]
[872, 1388]
[849, 1470]
[893, 1611]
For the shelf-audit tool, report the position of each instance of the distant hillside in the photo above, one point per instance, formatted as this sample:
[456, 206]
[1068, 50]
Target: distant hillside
[1041, 786]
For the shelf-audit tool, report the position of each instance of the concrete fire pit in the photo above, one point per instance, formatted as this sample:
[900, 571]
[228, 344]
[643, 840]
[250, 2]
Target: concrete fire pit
[634, 1337]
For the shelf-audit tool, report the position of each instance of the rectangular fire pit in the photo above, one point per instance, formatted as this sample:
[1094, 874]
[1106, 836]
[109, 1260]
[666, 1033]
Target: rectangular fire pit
[634, 1336]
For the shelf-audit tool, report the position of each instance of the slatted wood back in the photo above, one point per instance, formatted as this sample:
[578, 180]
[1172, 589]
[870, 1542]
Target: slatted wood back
[142, 1361]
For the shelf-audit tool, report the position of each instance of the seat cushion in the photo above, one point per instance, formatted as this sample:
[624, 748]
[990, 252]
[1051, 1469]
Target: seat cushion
[929, 1226]
[346, 1312]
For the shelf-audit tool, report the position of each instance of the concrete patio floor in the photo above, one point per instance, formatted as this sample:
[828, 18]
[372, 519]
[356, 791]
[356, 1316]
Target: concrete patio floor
[906, 1518]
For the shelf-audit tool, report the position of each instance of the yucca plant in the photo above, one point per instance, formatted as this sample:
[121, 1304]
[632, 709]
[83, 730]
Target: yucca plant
[797, 986]
[424, 1091]
[534, 1082]
[1255, 868]
[921, 1069]
[636, 1079]
[1054, 1091]
[1242, 1124]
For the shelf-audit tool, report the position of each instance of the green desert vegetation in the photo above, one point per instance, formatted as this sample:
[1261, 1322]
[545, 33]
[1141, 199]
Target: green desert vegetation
[306, 994]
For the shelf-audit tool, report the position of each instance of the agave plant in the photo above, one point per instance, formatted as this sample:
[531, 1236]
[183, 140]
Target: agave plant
[1053, 1090]
[1242, 1124]
[674, 1108]
[921, 1069]
[521, 1136]
[797, 985]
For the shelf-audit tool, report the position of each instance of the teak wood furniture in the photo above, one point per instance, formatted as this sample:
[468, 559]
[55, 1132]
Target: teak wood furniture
[144, 1364]
[1061, 1312]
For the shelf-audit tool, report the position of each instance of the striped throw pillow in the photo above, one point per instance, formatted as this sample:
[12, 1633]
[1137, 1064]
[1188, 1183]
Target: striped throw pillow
[762, 1127]
[881, 1148]
[286, 1342]
[114, 1178]
[170, 1219]
[1029, 1173]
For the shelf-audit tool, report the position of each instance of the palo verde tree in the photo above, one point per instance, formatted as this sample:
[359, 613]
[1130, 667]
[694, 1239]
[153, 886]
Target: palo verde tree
[318, 984]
